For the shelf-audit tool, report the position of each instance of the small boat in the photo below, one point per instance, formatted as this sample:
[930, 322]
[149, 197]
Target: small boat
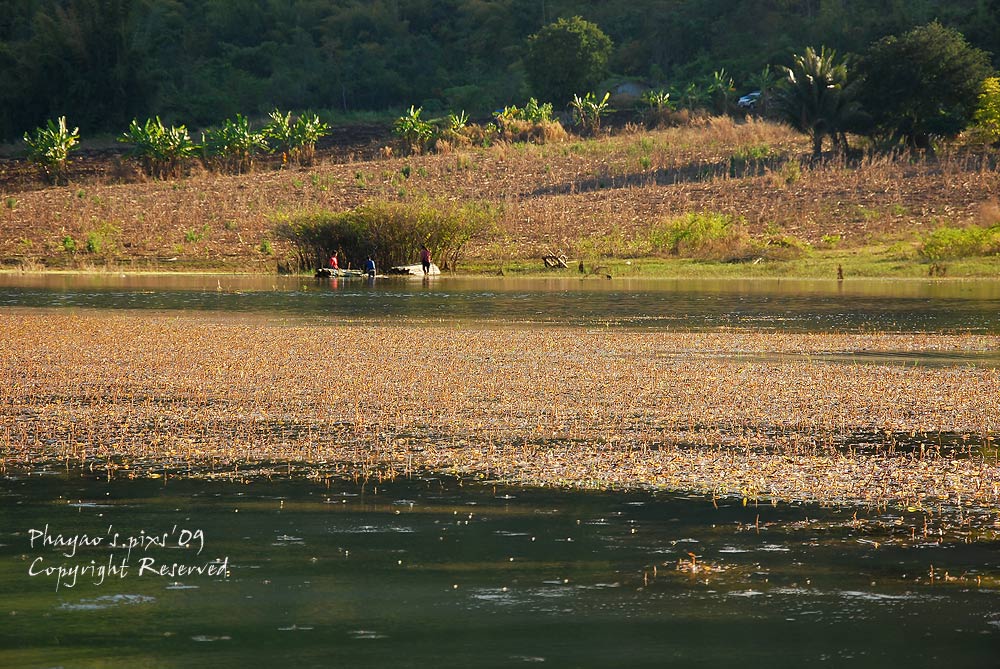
[414, 270]
[325, 272]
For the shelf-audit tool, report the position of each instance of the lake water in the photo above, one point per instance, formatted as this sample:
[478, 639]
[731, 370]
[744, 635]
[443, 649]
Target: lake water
[430, 572]
[773, 305]
[438, 572]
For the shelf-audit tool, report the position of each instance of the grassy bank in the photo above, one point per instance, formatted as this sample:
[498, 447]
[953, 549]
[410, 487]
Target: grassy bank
[609, 202]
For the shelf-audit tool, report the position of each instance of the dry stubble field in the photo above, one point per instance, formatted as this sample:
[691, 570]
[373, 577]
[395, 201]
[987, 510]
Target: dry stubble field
[557, 197]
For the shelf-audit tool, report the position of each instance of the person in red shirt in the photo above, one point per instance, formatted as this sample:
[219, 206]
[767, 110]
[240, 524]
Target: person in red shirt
[333, 262]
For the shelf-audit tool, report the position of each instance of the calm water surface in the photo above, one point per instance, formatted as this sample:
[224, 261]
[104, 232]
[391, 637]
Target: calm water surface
[774, 304]
[429, 572]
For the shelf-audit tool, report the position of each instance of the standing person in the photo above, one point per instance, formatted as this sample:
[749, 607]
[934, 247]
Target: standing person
[425, 258]
[370, 267]
[334, 264]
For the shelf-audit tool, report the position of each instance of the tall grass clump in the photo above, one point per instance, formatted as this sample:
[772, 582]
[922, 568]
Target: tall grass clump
[705, 235]
[389, 232]
[950, 243]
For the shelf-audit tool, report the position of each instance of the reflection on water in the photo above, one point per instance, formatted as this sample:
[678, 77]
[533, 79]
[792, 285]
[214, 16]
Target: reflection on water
[760, 304]
[431, 572]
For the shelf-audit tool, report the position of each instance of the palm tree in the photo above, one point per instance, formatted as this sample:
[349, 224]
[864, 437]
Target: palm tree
[817, 98]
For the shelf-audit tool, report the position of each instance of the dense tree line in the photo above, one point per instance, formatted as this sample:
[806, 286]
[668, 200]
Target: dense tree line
[104, 62]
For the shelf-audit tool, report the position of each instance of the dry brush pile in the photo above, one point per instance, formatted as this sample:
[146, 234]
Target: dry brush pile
[154, 394]
[554, 196]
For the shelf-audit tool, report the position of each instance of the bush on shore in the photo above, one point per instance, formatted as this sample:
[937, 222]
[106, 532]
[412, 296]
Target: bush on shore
[390, 232]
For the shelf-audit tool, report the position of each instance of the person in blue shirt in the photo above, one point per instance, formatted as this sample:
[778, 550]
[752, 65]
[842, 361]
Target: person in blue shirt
[370, 267]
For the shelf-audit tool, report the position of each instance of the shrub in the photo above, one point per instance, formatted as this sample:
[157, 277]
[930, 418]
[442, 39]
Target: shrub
[532, 123]
[701, 235]
[949, 243]
[661, 111]
[390, 232]
[50, 146]
[987, 116]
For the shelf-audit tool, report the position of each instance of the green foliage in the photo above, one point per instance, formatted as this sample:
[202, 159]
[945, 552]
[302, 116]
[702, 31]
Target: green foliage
[390, 232]
[533, 122]
[950, 243]
[532, 112]
[925, 82]
[696, 234]
[752, 159]
[659, 109]
[162, 151]
[457, 122]
[587, 112]
[295, 140]
[104, 62]
[50, 146]
[987, 115]
[102, 240]
[566, 56]
[413, 130]
[692, 96]
[765, 81]
[831, 241]
[233, 146]
[817, 98]
[721, 91]
[69, 244]
[657, 99]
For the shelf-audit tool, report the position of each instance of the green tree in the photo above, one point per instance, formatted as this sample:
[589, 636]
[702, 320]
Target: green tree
[817, 98]
[923, 83]
[566, 56]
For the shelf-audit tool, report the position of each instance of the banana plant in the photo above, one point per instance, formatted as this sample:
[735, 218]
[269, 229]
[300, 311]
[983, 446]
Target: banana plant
[721, 89]
[692, 96]
[587, 111]
[658, 100]
[413, 130]
[162, 151]
[50, 146]
[456, 122]
[296, 140]
[234, 145]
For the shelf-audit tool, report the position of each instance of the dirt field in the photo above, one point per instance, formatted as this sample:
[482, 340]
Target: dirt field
[593, 197]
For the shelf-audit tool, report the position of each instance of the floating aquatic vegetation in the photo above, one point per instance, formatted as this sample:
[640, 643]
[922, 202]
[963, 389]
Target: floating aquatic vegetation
[240, 398]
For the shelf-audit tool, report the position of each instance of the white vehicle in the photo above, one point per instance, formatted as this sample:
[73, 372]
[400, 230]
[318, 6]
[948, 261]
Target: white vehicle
[748, 101]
